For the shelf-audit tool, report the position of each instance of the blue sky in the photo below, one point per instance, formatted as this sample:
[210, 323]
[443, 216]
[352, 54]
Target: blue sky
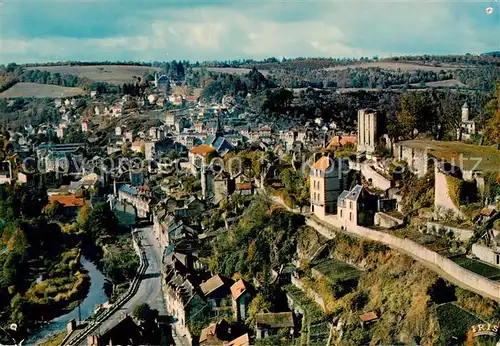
[41, 30]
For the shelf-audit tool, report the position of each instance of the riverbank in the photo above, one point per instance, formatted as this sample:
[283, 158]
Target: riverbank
[82, 308]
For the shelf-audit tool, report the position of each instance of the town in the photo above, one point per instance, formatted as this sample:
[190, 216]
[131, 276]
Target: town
[196, 215]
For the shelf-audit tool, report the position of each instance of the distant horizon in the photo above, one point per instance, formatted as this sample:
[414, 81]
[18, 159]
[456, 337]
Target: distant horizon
[279, 58]
[208, 30]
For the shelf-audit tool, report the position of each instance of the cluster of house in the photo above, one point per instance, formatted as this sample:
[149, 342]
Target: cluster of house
[375, 198]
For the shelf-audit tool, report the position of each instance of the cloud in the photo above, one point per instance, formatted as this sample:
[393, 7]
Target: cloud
[206, 31]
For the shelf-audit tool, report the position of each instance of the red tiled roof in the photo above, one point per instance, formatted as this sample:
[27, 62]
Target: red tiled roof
[243, 186]
[67, 200]
[203, 149]
[322, 164]
[368, 317]
[337, 141]
[238, 288]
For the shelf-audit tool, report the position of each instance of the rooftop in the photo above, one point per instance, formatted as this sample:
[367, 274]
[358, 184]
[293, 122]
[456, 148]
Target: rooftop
[67, 200]
[212, 284]
[238, 288]
[322, 164]
[368, 317]
[203, 149]
[275, 320]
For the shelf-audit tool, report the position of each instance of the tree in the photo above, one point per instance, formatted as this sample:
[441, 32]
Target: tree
[144, 312]
[257, 305]
[54, 210]
[492, 133]
[100, 221]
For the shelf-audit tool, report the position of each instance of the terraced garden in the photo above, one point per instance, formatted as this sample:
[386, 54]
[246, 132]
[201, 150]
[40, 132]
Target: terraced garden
[454, 323]
[478, 267]
[335, 270]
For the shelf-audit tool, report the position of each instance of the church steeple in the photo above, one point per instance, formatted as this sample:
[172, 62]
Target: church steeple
[219, 131]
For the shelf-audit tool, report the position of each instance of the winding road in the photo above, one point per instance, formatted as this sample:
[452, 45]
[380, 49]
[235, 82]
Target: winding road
[150, 287]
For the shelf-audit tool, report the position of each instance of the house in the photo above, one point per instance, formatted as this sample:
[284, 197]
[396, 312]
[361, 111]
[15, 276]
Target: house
[93, 94]
[265, 131]
[245, 189]
[161, 102]
[190, 99]
[215, 290]
[357, 206]
[116, 110]
[62, 131]
[340, 141]
[271, 323]
[152, 98]
[129, 135]
[241, 297]
[85, 126]
[201, 154]
[328, 178]
[118, 131]
[137, 146]
[140, 198]
[184, 303]
[368, 318]
[198, 127]
[216, 334]
[126, 332]
[71, 204]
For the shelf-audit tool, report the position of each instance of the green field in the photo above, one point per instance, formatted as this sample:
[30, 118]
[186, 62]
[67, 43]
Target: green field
[465, 156]
[454, 323]
[335, 270]
[113, 74]
[40, 91]
[478, 267]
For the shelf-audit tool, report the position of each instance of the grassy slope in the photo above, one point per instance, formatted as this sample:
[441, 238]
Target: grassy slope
[113, 74]
[40, 91]
[451, 151]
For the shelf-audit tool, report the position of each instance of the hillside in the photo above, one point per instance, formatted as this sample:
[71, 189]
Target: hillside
[113, 74]
[40, 91]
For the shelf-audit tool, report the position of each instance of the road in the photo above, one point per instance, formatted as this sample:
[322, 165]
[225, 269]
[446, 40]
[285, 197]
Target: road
[150, 287]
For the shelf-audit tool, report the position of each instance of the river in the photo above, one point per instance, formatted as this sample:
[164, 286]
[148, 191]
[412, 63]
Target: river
[95, 296]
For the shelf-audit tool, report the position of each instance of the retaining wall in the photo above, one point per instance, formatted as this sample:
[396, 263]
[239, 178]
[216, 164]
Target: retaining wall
[475, 282]
[378, 180]
[460, 233]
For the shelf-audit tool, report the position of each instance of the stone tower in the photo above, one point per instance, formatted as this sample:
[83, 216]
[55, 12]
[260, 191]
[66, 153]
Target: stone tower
[465, 112]
[367, 131]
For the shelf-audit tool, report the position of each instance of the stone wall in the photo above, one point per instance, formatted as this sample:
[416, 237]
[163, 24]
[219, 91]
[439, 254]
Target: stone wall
[417, 159]
[442, 199]
[377, 180]
[386, 221]
[459, 233]
[473, 281]
[486, 254]
[310, 293]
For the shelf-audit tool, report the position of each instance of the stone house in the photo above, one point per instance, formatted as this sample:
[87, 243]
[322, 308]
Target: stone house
[328, 178]
[357, 206]
[216, 290]
[268, 324]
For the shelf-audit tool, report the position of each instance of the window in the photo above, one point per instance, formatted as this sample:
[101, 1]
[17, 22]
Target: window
[340, 212]
[350, 216]
[498, 259]
[350, 205]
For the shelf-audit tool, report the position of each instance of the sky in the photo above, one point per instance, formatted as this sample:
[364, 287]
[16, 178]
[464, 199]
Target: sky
[161, 30]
